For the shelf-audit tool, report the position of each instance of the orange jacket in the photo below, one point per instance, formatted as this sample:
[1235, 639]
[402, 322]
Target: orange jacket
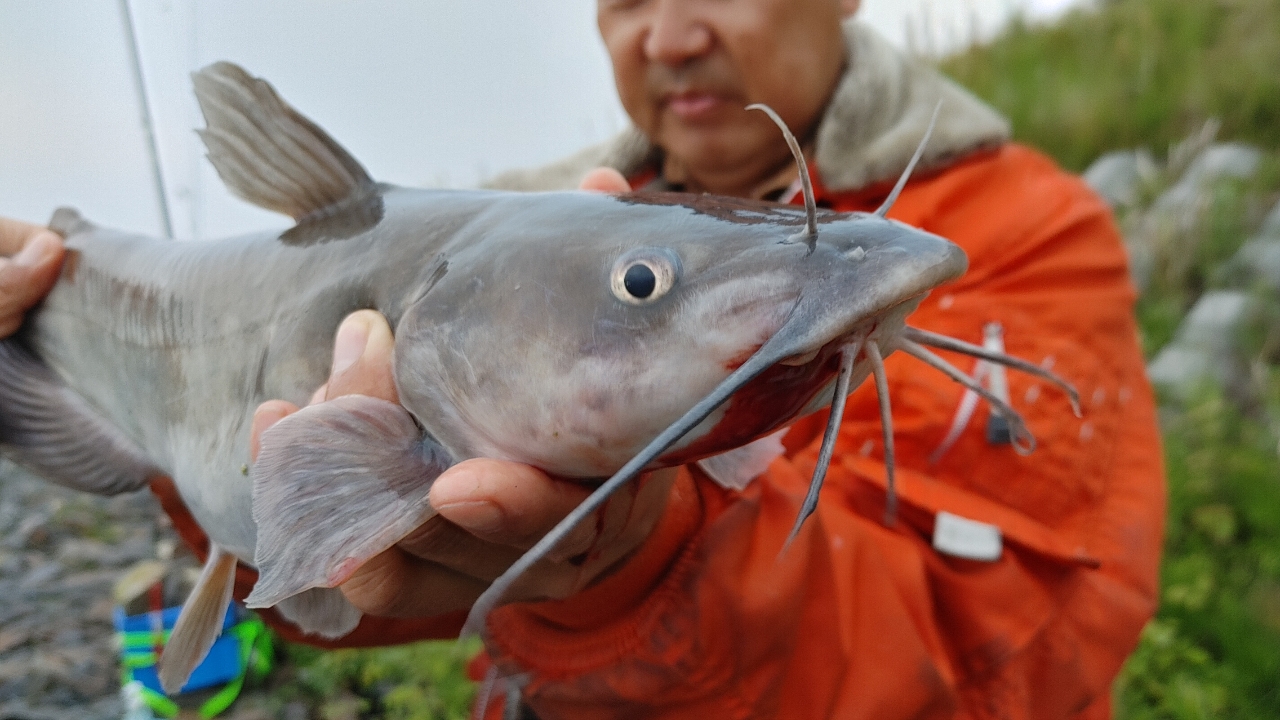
[859, 620]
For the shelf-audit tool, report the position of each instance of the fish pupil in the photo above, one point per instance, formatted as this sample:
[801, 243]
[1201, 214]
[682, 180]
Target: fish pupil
[639, 281]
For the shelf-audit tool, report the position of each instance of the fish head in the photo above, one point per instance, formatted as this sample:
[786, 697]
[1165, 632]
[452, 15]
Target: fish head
[567, 334]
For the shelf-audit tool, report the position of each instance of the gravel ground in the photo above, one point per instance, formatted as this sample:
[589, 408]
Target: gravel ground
[61, 553]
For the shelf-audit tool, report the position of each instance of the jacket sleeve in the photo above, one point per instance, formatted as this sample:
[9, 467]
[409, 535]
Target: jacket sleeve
[714, 618]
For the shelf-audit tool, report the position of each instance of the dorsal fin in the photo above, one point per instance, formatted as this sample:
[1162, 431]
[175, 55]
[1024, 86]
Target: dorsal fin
[268, 153]
[67, 221]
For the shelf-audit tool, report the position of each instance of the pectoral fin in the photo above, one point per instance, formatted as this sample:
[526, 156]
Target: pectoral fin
[334, 485]
[200, 621]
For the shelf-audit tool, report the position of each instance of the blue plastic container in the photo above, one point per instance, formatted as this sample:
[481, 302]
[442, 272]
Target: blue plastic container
[222, 665]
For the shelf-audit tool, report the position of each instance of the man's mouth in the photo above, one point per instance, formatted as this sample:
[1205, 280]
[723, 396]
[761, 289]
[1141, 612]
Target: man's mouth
[692, 106]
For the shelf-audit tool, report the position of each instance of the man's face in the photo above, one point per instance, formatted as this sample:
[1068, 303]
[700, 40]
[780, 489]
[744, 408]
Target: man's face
[686, 69]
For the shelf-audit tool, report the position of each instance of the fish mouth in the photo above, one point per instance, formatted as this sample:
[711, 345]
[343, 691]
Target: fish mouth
[801, 359]
[786, 390]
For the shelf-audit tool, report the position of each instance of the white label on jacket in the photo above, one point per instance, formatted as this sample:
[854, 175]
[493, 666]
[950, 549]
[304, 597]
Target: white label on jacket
[965, 538]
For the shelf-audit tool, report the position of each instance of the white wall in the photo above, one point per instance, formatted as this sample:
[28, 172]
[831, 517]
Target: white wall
[423, 92]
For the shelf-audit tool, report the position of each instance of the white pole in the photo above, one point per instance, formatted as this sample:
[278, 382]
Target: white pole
[130, 31]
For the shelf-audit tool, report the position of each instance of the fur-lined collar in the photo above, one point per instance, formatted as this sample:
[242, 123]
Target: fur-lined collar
[876, 118]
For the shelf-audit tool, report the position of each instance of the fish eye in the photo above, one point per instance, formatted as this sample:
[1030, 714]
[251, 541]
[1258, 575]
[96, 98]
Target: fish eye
[639, 281]
[644, 275]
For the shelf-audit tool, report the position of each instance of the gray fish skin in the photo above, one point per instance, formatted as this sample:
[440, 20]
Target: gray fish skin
[590, 335]
[509, 341]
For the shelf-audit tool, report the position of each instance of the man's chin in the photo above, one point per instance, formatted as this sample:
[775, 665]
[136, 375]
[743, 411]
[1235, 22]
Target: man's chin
[717, 147]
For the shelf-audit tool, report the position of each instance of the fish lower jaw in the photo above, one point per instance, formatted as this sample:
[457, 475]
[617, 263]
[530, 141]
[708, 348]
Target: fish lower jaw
[802, 359]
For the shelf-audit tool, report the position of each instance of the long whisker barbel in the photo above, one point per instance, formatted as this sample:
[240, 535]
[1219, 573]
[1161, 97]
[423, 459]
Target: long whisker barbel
[886, 427]
[810, 234]
[847, 358]
[924, 337]
[892, 198]
[1023, 441]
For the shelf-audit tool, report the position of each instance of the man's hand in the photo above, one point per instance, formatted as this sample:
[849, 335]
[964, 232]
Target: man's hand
[30, 257]
[604, 179]
[491, 511]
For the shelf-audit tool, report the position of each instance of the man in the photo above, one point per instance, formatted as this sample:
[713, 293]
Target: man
[674, 602]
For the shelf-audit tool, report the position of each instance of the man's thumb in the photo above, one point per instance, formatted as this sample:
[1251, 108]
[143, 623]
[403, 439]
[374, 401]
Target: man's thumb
[362, 352]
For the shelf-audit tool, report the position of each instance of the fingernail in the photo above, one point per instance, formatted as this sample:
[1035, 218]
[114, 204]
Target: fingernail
[349, 345]
[475, 515]
[456, 495]
[38, 251]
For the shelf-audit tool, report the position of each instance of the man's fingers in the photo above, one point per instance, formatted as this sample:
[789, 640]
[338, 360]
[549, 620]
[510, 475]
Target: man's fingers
[26, 277]
[446, 544]
[14, 234]
[502, 502]
[268, 413]
[604, 179]
[362, 353]
[396, 584]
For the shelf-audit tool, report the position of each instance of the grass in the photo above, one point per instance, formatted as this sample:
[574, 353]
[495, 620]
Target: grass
[1214, 649]
[1134, 73]
[419, 681]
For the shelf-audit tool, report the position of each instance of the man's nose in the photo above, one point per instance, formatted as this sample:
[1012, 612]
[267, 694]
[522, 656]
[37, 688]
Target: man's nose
[676, 34]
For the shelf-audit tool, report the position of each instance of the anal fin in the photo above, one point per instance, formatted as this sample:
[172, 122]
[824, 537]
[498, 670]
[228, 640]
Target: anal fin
[200, 621]
[320, 611]
[48, 429]
[334, 485]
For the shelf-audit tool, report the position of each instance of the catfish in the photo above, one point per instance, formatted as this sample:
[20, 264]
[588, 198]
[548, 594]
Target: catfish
[593, 336]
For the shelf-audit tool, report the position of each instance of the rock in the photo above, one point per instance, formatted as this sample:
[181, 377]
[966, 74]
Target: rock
[1271, 226]
[40, 576]
[295, 711]
[11, 638]
[1217, 162]
[1118, 176]
[138, 580]
[57, 653]
[1257, 262]
[21, 709]
[81, 553]
[32, 532]
[1207, 345]
[345, 706]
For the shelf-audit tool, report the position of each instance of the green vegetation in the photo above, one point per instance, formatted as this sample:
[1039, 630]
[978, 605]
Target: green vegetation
[1134, 73]
[421, 681]
[1146, 74]
[1214, 649]
[1192, 258]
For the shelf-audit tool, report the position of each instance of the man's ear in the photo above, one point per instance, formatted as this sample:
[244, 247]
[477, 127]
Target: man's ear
[849, 7]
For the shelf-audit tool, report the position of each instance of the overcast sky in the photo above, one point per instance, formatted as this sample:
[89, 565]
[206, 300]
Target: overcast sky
[423, 92]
